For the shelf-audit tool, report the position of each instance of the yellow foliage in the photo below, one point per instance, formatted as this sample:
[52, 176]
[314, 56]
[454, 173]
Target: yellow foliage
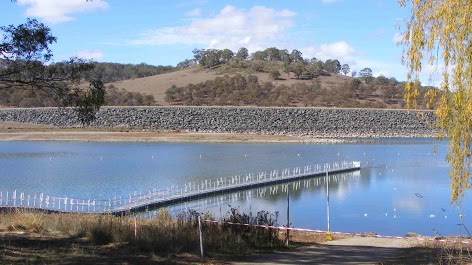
[440, 31]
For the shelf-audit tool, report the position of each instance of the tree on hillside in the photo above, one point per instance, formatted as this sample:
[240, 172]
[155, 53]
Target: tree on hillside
[382, 80]
[354, 73]
[298, 69]
[272, 54]
[226, 55]
[198, 54]
[296, 56]
[444, 26]
[366, 74]
[25, 55]
[314, 67]
[284, 56]
[287, 69]
[242, 54]
[345, 69]
[211, 58]
[355, 83]
[258, 56]
[274, 74]
[332, 66]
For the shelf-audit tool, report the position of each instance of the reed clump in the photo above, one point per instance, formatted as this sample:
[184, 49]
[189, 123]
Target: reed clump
[442, 252]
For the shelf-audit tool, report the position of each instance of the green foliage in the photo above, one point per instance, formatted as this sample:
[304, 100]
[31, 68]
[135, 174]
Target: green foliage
[242, 54]
[355, 83]
[88, 103]
[111, 72]
[116, 97]
[274, 74]
[238, 90]
[345, 69]
[27, 42]
[366, 74]
[332, 66]
[298, 69]
[25, 53]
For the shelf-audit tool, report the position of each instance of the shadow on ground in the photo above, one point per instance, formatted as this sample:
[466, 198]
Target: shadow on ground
[324, 254]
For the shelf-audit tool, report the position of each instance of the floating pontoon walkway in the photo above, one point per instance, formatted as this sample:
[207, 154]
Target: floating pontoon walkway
[172, 195]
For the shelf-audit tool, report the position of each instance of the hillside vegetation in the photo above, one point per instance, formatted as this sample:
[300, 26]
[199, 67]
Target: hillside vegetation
[107, 72]
[271, 77]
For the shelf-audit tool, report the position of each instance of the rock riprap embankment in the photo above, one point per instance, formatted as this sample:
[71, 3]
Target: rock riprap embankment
[317, 122]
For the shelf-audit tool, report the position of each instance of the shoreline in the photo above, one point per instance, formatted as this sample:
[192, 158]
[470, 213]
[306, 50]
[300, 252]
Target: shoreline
[15, 131]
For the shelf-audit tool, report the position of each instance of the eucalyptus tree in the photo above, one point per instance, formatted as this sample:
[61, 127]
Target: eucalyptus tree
[26, 63]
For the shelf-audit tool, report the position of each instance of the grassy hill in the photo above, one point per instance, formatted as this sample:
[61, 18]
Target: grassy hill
[337, 89]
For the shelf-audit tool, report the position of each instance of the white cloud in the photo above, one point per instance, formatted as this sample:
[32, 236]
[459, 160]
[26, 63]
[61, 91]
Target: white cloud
[194, 12]
[89, 54]
[345, 53]
[57, 11]
[255, 28]
[339, 50]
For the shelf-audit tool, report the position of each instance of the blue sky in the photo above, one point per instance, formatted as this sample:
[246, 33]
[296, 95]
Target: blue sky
[359, 33]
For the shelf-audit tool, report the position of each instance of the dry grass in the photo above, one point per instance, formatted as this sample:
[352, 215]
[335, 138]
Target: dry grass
[51, 238]
[441, 252]
[158, 84]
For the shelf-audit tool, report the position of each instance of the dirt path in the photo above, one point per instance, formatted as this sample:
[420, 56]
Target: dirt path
[13, 131]
[356, 250]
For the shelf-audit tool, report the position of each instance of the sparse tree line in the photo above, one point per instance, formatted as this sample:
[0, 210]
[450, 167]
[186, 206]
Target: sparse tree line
[111, 72]
[238, 90]
[273, 61]
[29, 98]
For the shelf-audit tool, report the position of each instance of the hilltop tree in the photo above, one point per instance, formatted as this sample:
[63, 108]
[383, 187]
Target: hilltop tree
[345, 69]
[284, 56]
[26, 63]
[272, 54]
[440, 32]
[296, 56]
[198, 54]
[366, 74]
[315, 67]
[210, 58]
[242, 54]
[226, 55]
[258, 55]
[332, 66]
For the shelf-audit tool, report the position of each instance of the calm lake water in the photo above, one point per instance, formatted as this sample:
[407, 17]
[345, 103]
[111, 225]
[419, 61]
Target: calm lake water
[402, 186]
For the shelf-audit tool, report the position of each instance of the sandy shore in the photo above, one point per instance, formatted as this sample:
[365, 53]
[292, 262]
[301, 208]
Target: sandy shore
[12, 131]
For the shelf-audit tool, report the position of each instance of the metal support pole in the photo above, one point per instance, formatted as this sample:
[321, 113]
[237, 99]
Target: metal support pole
[201, 237]
[288, 216]
[328, 234]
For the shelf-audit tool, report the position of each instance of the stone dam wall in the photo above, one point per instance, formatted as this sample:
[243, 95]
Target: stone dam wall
[314, 122]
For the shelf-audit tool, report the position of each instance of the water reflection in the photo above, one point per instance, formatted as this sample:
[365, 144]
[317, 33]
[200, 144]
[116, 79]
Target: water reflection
[381, 199]
[271, 194]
